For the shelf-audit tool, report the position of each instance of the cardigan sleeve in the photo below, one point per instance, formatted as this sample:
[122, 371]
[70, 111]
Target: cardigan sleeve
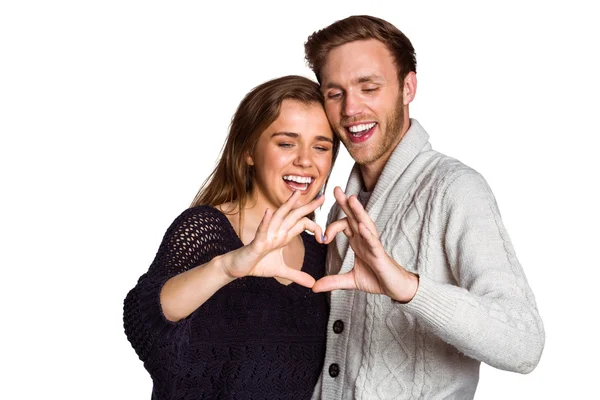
[491, 315]
[194, 238]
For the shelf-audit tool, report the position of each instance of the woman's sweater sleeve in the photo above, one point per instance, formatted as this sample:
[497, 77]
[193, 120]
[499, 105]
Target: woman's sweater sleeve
[491, 315]
[194, 238]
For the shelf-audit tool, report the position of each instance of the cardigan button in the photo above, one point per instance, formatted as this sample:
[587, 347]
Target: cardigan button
[334, 370]
[338, 326]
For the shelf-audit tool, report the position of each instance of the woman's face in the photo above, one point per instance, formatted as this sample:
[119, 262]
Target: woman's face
[293, 153]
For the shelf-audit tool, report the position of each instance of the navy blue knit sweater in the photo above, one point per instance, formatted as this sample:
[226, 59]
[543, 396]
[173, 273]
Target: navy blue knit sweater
[253, 339]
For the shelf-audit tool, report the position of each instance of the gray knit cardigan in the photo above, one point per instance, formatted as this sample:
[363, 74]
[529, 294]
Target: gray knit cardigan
[438, 218]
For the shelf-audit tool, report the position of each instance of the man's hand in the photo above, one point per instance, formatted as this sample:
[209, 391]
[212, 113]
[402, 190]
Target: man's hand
[374, 270]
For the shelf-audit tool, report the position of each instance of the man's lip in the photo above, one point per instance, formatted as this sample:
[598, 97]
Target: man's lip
[362, 138]
[359, 123]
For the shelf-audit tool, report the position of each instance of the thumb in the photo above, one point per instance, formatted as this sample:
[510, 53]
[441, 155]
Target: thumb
[341, 225]
[335, 282]
[300, 277]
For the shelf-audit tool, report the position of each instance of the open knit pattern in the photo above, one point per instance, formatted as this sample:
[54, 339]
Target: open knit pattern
[255, 338]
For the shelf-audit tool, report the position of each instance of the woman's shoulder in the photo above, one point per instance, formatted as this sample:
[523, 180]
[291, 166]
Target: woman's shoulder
[202, 219]
[201, 213]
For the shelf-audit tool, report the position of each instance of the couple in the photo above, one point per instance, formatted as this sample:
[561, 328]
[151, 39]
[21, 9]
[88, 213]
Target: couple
[234, 305]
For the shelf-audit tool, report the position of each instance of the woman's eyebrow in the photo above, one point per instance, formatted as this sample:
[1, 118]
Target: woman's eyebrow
[296, 136]
[324, 139]
[289, 134]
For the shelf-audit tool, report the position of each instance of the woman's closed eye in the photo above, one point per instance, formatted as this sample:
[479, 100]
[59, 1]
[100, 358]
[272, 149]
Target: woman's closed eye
[322, 148]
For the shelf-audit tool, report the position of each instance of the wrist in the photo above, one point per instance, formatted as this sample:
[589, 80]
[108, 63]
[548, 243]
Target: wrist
[221, 267]
[412, 285]
[407, 289]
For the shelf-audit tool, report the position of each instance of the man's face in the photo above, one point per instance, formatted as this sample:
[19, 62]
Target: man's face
[363, 100]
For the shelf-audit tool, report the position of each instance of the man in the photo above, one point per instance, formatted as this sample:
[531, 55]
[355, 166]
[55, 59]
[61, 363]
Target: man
[437, 286]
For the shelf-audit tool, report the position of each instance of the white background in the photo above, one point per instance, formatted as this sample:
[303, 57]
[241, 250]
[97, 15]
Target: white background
[113, 113]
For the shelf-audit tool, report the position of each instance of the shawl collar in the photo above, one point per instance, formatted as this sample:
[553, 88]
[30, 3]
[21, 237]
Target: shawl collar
[415, 141]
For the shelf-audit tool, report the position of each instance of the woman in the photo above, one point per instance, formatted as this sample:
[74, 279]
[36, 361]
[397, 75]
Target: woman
[226, 310]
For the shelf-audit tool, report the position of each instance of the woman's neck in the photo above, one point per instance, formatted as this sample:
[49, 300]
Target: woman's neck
[254, 211]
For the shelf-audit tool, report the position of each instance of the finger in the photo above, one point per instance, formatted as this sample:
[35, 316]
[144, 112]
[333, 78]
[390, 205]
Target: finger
[334, 282]
[285, 208]
[306, 224]
[361, 214]
[261, 232]
[341, 225]
[319, 200]
[297, 214]
[371, 239]
[342, 200]
[264, 222]
[300, 277]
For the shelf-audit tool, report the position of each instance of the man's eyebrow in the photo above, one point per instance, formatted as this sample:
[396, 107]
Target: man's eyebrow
[373, 78]
[332, 85]
[368, 78]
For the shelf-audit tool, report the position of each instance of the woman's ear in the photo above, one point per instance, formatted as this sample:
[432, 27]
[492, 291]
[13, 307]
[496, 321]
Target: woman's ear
[249, 159]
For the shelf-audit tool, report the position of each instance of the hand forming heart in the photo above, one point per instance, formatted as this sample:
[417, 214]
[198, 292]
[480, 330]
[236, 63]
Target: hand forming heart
[374, 270]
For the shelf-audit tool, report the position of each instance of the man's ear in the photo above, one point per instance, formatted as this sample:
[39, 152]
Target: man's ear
[410, 87]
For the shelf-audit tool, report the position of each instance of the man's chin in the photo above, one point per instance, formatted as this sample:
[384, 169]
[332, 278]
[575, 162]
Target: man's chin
[361, 154]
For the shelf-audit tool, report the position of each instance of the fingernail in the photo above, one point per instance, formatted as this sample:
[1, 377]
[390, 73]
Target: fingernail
[318, 196]
[322, 238]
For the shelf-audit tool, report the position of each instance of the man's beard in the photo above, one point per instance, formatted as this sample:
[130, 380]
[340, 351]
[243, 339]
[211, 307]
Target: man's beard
[390, 138]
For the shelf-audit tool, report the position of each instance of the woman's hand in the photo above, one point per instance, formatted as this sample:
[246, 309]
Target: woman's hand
[263, 257]
[185, 292]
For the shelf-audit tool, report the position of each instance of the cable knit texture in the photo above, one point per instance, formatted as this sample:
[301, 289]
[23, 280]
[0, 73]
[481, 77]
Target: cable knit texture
[253, 339]
[438, 218]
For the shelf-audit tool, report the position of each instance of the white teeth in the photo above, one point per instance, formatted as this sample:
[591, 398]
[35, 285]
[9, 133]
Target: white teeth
[361, 127]
[298, 179]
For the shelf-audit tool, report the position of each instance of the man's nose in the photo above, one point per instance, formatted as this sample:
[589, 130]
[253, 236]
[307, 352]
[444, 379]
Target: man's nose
[352, 105]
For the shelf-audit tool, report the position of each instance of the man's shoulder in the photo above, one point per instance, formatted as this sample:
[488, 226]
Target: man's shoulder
[439, 170]
[453, 182]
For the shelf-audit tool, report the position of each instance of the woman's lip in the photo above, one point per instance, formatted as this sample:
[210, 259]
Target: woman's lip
[362, 138]
[291, 187]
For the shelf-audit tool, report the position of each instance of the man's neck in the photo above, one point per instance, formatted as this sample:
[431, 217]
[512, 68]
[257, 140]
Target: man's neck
[370, 173]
